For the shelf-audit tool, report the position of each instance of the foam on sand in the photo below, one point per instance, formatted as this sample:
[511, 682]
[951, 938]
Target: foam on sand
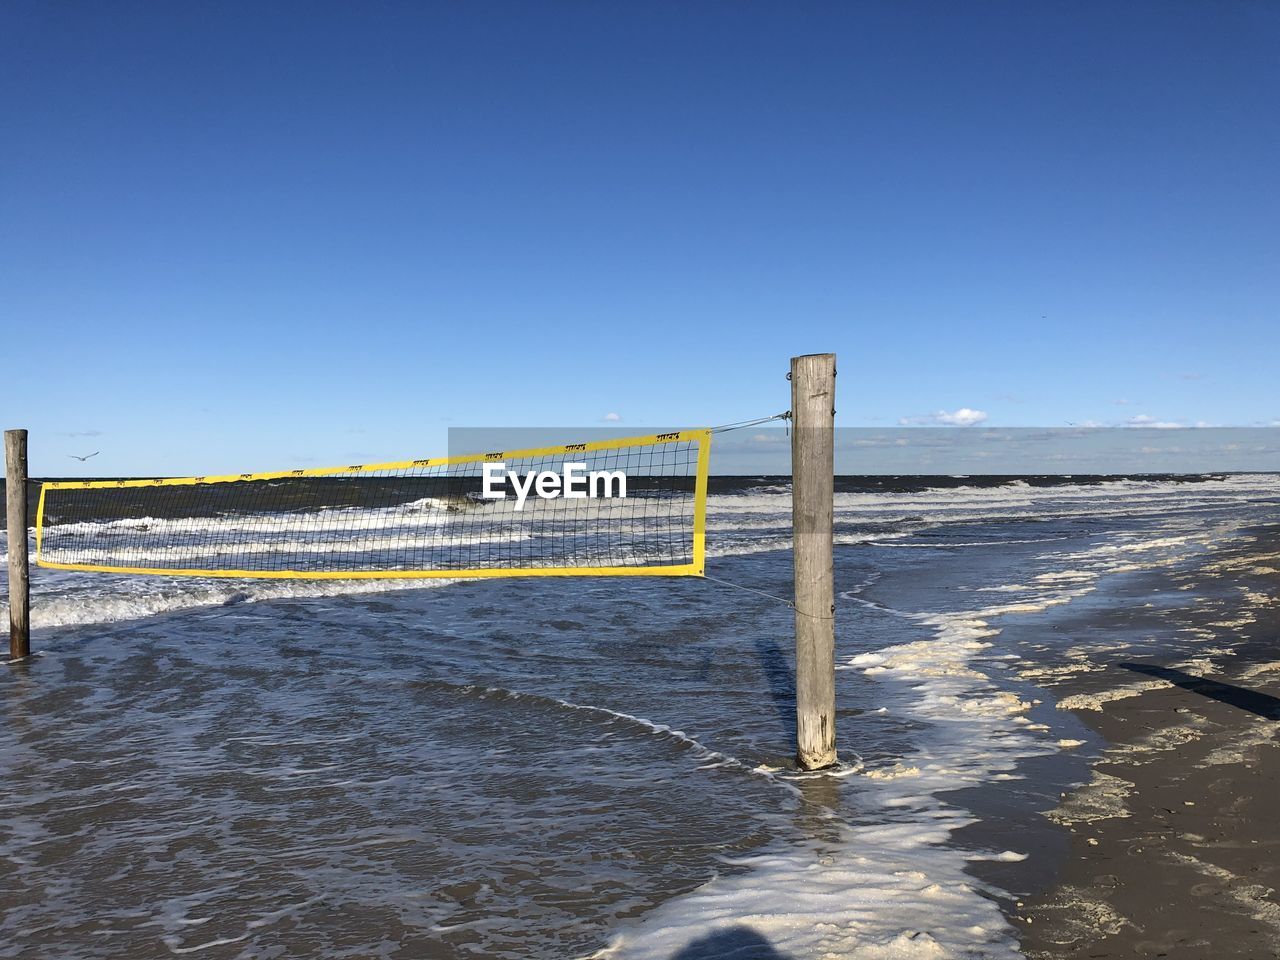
[871, 895]
[1255, 898]
[1103, 798]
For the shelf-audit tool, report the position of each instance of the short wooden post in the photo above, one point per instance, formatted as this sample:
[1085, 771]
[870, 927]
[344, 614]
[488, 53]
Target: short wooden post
[15, 486]
[813, 394]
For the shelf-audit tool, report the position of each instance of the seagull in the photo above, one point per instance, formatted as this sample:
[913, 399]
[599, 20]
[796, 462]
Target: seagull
[83, 459]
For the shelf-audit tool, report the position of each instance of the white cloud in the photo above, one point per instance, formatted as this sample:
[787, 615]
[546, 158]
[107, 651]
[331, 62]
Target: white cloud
[612, 417]
[1150, 422]
[964, 417]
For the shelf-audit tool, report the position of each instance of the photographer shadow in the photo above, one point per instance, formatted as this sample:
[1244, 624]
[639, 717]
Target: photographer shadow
[736, 943]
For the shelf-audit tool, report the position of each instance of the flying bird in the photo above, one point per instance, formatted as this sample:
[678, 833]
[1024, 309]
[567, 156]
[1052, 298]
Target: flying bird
[83, 459]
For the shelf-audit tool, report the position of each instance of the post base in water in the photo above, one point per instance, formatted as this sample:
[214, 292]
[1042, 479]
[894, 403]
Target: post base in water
[822, 761]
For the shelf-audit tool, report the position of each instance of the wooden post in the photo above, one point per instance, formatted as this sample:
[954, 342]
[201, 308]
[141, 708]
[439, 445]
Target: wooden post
[15, 486]
[813, 394]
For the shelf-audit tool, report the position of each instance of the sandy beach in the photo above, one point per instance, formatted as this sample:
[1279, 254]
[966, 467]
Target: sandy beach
[1173, 842]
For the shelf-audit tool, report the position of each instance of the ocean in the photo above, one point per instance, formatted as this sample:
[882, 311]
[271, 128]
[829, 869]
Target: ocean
[581, 768]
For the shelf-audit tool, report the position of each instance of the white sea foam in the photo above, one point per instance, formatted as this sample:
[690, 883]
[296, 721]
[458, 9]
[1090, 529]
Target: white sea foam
[869, 894]
[63, 600]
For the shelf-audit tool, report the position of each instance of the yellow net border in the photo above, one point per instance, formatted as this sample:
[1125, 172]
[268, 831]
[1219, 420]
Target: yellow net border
[701, 437]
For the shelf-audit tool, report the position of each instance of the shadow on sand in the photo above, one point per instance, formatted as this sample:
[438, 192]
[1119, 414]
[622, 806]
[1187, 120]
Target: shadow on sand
[1263, 704]
[736, 943]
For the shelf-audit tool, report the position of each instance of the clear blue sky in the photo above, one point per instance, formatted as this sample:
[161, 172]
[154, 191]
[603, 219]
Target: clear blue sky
[253, 235]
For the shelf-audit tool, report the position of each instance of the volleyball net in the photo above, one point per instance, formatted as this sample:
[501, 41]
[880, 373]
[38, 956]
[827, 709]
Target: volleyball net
[616, 507]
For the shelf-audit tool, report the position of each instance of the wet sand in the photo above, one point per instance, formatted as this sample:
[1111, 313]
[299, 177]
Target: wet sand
[1174, 844]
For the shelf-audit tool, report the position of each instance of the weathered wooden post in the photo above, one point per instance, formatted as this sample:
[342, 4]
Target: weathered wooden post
[15, 486]
[813, 395]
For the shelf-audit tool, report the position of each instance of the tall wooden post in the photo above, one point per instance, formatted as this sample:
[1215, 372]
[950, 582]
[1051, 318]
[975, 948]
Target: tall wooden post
[813, 395]
[15, 486]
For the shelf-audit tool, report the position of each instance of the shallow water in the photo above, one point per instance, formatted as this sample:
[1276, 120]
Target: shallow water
[547, 769]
